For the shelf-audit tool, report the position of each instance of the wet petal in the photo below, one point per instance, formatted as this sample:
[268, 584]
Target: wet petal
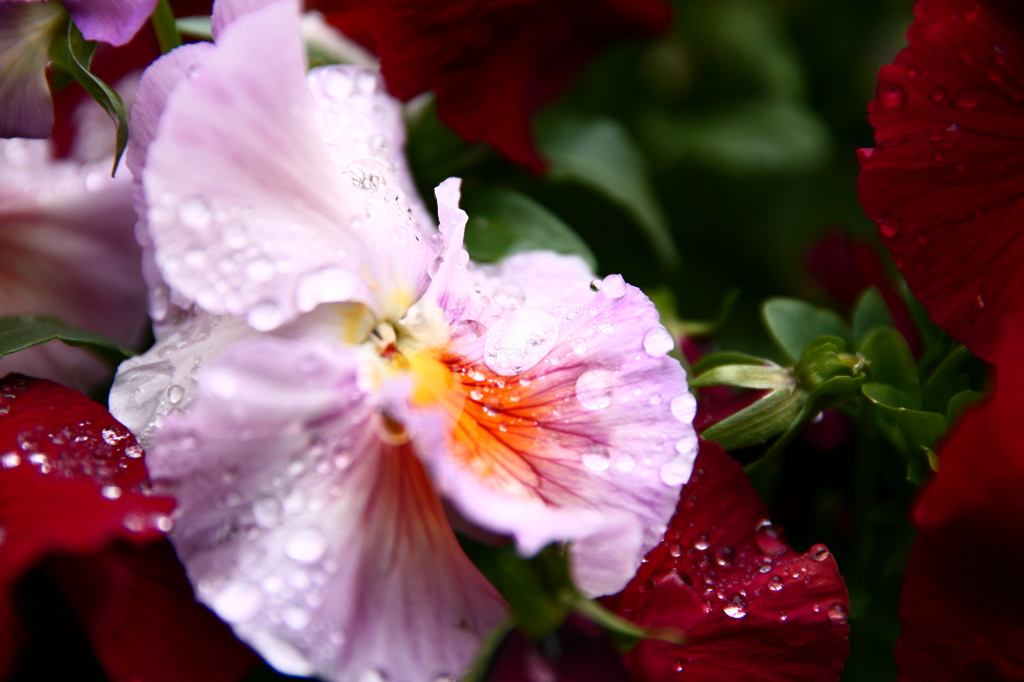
[25, 33]
[970, 512]
[71, 480]
[110, 21]
[67, 250]
[745, 600]
[551, 431]
[254, 207]
[945, 181]
[307, 522]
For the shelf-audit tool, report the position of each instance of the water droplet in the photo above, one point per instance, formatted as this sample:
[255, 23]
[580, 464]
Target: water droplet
[658, 342]
[595, 285]
[891, 95]
[195, 213]
[967, 99]
[367, 174]
[295, 617]
[238, 601]
[111, 492]
[889, 228]
[265, 315]
[684, 407]
[767, 539]
[775, 584]
[676, 471]
[980, 301]
[820, 552]
[520, 340]
[687, 445]
[594, 389]
[724, 556]
[701, 542]
[267, 512]
[735, 611]
[938, 94]
[260, 270]
[614, 286]
[175, 393]
[133, 451]
[509, 295]
[838, 614]
[10, 460]
[306, 545]
[327, 285]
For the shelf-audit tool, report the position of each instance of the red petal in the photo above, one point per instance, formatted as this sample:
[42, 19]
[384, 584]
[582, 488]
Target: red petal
[969, 517]
[578, 652]
[745, 599]
[492, 64]
[68, 482]
[137, 607]
[945, 183]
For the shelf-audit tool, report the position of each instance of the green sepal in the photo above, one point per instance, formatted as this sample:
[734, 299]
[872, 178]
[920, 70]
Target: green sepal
[746, 376]
[918, 430]
[824, 360]
[597, 152]
[195, 27]
[503, 222]
[892, 363]
[71, 55]
[794, 324]
[728, 358]
[18, 332]
[165, 27]
[871, 311]
[755, 424]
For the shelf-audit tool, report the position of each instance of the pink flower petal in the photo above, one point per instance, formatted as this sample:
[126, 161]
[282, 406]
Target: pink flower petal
[308, 523]
[944, 182]
[110, 21]
[581, 433]
[25, 33]
[726, 578]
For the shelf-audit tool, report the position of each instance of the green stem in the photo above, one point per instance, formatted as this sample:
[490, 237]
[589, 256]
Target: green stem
[166, 30]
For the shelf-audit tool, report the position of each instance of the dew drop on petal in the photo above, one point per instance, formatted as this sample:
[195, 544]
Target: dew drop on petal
[735, 611]
[520, 340]
[594, 389]
[10, 460]
[267, 512]
[891, 95]
[326, 285]
[658, 342]
[838, 614]
[775, 584]
[111, 492]
[684, 407]
[175, 393]
[820, 552]
[195, 213]
[676, 471]
[134, 451]
[596, 458]
[306, 545]
[238, 601]
[614, 286]
[265, 315]
[701, 542]
[509, 295]
[595, 285]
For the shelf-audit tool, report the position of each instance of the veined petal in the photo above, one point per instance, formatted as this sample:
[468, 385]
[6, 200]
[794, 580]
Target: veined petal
[26, 30]
[307, 522]
[253, 207]
[67, 250]
[564, 430]
[110, 21]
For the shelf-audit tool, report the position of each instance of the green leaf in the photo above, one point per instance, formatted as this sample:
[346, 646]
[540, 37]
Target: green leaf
[758, 137]
[871, 311]
[72, 55]
[746, 376]
[794, 324]
[18, 332]
[768, 417]
[948, 379]
[962, 402]
[599, 154]
[163, 24]
[503, 222]
[196, 27]
[886, 396]
[892, 363]
[921, 428]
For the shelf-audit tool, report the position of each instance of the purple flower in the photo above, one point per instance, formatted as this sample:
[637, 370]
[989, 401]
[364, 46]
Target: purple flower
[335, 385]
[26, 29]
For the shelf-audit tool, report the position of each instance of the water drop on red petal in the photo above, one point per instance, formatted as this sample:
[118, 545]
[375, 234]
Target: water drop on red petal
[820, 552]
[938, 94]
[967, 99]
[889, 228]
[891, 95]
[912, 72]
[838, 614]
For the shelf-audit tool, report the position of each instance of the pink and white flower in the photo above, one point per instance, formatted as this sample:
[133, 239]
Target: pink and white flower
[335, 384]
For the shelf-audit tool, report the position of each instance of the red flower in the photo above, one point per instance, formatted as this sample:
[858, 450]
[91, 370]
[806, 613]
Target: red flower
[972, 514]
[493, 64]
[73, 496]
[746, 601]
[944, 182]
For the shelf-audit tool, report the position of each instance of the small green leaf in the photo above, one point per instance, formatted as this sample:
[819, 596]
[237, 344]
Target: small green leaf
[163, 24]
[766, 136]
[598, 153]
[503, 222]
[892, 362]
[196, 27]
[962, 402]
[886, 396]
[18, 332]
[746, 376]
[794, 324]
[72, 55]
[922, 429]
[948, 379]
[871, 311]
[753, 425]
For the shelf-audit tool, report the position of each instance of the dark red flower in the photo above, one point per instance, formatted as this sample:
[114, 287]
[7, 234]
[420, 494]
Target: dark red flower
[727, 578]
[493, 64]
[74, 496]
[946, 180]
[970, 516]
